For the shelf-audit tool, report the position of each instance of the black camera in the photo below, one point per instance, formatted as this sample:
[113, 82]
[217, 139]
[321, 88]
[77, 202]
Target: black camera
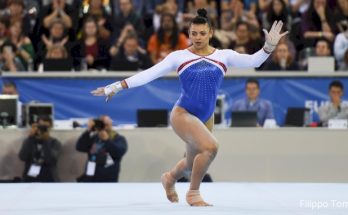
[98, 125]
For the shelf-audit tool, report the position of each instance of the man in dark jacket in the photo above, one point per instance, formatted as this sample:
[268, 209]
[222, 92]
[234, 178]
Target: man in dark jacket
[105, 149]
[40, 153]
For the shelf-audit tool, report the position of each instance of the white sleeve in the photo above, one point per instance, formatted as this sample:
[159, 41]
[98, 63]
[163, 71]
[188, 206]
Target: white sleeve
[245, 60]
[339, 47]
[164, 67]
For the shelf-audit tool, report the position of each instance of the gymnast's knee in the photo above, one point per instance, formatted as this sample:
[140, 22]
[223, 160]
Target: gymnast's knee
[211, 150]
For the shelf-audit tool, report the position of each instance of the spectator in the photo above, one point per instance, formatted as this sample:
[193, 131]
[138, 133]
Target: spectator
[278, 10]
[9, 88]
[166, 39]
[8, 60]
[282, 59]
[91, 49]
[127, 20]
[171, 7]
[131, 57]
[335, 108]
[57, 52]
[264, 5]
[322, 48]
[151, 6]
[139, 6]
[40, 152]
[340, 48]
[291, 46]
[97, 10]
[127, 30]
[237, 14]
[56, 59]
[299, 7]
[105, 148]
[25, 49]
[57, 36]
[3, 31]
[17, 13]
[252, 102]
[243, 39]
[341, 15]
[194, 5]
[318, 22]
[56, 10]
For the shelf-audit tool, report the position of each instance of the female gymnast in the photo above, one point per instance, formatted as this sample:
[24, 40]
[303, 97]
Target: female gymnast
[201, 69]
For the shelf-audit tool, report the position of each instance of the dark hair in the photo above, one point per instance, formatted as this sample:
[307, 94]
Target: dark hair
[4, 22]
[9, 84]
[174, 38]
[313, 18]
[345, 59]
[252, 81]
[336, 83]
[325, 41]
[45, 118]
[87, 20]
[328, 43]
[57, 21]
[8, 43]
[283, 16]
[239, 23]
[18, 2]
[22, 34]
[131, 36]
[201, 18]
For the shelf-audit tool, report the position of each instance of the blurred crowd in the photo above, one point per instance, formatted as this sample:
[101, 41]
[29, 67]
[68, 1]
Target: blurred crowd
[132, 35]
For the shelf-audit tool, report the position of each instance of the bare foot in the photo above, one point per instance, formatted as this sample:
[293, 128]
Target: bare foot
[193, 197]
[168, 182]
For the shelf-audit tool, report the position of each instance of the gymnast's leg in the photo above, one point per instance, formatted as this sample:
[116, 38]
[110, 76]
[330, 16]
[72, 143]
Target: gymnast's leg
[169, 178]
[201, 150]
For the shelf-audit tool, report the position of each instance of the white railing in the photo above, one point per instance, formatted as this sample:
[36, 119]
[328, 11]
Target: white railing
[230, 73]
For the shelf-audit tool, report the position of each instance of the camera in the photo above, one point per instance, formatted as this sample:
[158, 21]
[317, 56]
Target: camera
[42, 128]
[98, 125]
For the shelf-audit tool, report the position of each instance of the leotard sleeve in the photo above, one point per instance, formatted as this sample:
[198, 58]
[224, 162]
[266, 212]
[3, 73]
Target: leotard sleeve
[245, 60]
[162, 68]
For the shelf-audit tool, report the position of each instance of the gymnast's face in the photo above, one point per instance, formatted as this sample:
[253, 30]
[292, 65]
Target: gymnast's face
[199, 35]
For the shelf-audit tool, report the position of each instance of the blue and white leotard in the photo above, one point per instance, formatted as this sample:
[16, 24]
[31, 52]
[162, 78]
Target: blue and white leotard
[200, 76]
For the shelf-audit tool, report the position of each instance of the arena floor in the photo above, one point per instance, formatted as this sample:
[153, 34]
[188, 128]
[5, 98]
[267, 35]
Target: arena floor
[149, 199]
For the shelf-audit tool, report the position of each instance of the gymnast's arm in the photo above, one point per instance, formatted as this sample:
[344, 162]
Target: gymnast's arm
[255, 60]
[245, 60]
[162, 68]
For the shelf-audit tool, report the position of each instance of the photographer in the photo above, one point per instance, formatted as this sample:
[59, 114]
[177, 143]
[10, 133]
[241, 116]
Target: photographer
[105, 148]
[40, 153]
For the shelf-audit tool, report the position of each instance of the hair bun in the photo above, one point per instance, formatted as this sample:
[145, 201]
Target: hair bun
[202, 12]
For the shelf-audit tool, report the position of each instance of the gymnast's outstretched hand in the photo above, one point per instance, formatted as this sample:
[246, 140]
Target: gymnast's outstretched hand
[108, 91]
[273, 36]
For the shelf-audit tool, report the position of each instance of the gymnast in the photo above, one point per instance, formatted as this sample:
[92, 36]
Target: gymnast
[201, 69]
